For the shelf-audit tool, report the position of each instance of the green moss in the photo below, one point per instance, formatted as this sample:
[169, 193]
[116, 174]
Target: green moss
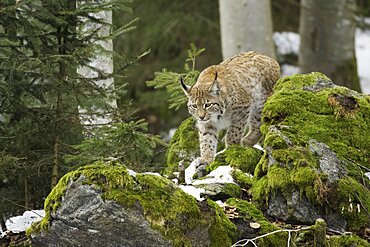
[223, 231]
[243, 180]
[164, 206]
[298, 81]
[353, 200]
[232, 190]
[184, 145]
[348, 241]
[250, 212]
[311, 114]
[237, 156]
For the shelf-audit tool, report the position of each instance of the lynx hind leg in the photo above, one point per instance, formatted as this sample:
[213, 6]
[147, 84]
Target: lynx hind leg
[254, 124]
[253, 136]
[234, 134]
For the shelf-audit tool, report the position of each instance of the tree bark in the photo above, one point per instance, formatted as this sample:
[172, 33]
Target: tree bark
[26, 194]
[102, 62]
[246, 25]
[327, 30]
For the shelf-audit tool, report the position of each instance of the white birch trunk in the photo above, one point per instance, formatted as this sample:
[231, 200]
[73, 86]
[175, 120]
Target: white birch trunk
[246, 25]
[104, 63]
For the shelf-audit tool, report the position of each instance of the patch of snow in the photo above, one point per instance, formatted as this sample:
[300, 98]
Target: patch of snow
[367, 174]
[286, 42]
[152, 173]
[132, 173]
[221, 174]
[193, 191]
[191, 170]
[92, 230]
[220, 203]
[259, 147]
[21, 223]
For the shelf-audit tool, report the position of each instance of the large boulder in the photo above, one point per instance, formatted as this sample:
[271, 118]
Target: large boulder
[103, 205]
[317, 150]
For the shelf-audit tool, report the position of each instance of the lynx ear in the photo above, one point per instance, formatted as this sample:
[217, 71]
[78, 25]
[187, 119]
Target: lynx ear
[215, 88]
[184, 87]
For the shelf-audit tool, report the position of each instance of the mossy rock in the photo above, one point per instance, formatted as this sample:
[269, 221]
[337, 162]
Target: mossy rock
[184, 146]
[347, 241]
[93, 198]
[249, 213]
[312, 107]
[316, 137]
[238, 157]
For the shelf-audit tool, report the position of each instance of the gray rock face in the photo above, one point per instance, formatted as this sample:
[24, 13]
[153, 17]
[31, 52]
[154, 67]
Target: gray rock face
[330, 165]
[85, 219]
[296, 208]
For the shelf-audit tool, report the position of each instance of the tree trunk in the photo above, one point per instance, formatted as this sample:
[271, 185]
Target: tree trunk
[26, 194]
[102, 62]
[327, 30]
[55, 165]
[246, 25]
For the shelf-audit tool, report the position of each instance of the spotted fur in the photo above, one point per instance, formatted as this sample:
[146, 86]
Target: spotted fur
[231, 96]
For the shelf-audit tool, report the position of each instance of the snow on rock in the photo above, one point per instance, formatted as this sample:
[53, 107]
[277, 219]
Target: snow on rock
[152, 173]
[193, 191]
[191, 170]
[21, 223]
[221, 174]
[132, 173]
[258, 146]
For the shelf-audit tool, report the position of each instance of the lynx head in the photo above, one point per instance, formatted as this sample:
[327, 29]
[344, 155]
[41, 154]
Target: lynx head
[204, 103]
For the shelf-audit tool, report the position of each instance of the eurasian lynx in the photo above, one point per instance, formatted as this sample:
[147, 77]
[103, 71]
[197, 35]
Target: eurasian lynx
[231, 96]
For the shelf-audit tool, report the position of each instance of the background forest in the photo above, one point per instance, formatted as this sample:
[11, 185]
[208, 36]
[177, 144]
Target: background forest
[51, 111]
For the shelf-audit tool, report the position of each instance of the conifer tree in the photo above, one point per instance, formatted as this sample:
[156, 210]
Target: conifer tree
[42, 43]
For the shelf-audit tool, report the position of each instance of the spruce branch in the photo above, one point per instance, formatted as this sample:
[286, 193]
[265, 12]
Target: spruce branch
[170, 81]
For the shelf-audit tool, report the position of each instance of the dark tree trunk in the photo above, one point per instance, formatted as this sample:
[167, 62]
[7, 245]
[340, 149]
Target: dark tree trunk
[327, 30]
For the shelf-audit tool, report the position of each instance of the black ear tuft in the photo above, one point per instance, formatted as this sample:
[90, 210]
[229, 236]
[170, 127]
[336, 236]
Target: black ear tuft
[185, 87]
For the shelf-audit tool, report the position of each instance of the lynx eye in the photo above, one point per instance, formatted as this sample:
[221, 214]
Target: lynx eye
[193, 106]
[208, 105]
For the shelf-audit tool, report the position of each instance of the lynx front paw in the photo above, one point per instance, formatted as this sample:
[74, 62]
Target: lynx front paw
[206, 160]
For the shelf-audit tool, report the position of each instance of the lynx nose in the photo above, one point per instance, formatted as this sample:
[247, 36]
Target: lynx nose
[201, 115]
